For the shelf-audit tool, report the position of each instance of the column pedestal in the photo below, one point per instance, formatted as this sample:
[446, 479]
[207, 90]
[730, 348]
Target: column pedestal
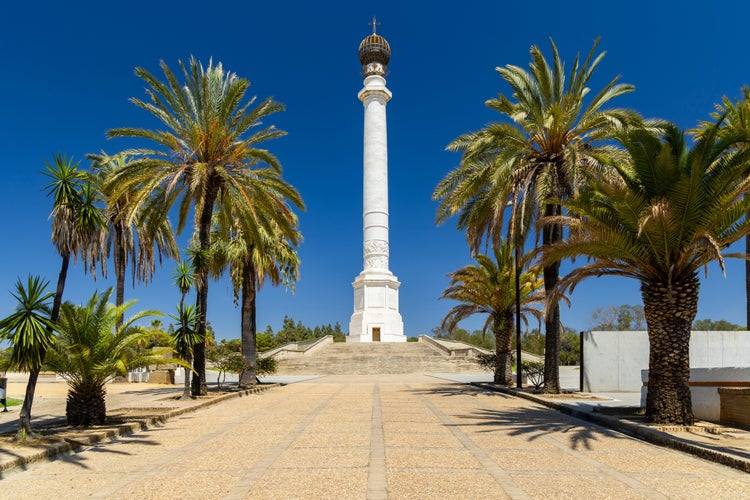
[376, 317]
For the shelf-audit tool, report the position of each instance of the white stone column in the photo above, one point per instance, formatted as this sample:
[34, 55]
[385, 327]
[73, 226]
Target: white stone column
[376, 317]
[374, 96]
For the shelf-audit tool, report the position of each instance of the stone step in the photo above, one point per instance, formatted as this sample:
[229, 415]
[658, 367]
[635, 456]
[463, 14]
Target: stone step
[376, 358]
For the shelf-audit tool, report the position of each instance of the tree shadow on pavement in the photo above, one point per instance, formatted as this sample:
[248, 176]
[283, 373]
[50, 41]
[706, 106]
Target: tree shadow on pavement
[525, 419]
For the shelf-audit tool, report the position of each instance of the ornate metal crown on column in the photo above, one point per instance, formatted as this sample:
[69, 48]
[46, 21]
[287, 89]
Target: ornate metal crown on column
[374, 53]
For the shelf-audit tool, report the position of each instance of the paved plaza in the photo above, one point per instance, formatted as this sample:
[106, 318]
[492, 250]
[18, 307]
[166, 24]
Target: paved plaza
[376, 437]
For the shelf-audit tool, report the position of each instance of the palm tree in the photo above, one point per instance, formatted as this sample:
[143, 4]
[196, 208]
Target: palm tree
[185, 337]
[31, 332]
[735, 118]
[90, 349]
[75, 222]
[552, 139]
[207, 146]
[141, 237]
[489, 288]
[255, 252]
[75, 218]
[670, 210]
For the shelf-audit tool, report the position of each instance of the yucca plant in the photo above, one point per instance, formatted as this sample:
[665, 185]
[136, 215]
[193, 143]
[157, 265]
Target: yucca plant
[90, 350]
[31, 333]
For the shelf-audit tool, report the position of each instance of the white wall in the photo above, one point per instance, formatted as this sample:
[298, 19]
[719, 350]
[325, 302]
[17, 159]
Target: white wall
[613, 360]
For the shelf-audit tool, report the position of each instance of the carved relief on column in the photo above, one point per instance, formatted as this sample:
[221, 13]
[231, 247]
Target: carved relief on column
[376, 254]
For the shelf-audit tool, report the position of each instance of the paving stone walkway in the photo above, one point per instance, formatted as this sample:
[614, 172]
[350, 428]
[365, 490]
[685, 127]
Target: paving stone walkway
[376, 437]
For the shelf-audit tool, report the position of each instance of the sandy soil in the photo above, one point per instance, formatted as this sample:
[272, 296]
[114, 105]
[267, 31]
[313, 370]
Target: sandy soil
[48, 389]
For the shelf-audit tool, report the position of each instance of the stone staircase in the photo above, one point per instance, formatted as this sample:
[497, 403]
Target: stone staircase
[376, 358]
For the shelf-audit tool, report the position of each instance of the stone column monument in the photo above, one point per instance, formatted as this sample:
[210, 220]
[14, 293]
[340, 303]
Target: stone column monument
[376, 317]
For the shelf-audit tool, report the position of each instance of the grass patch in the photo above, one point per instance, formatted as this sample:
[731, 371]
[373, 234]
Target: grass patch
[13, 401]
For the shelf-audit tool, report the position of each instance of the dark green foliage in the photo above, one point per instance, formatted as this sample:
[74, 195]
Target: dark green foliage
[709, 325]
[297, 332]
[264, 342]
[226, 357]
[476, 337]
[412, 339]
[29, 328]
[570, 349]
[618, 318]
[90, 349]
[266, 366]
[533, 342]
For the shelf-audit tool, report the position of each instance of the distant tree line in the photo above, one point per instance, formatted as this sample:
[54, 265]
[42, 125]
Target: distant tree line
[292, 331]
[631, 318]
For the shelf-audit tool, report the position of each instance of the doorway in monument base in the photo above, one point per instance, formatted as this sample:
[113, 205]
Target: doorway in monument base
[376, 334]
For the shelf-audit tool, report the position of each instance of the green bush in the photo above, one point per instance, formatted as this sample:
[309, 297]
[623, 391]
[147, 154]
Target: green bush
[266, 366]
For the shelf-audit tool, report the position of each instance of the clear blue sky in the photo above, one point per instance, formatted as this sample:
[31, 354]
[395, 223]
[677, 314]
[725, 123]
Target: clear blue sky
[67, 75]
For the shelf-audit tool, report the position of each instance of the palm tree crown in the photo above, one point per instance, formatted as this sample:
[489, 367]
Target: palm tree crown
[207, 151]
[90, 349]
[670, 210]
[553, 138]
[489, 288]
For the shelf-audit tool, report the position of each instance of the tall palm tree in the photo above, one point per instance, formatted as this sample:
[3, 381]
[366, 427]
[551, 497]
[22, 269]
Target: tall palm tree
[141, 237]
[75, 218]
[489, 288]
[670, 210]
[90, 349]
[735, 118]
[76, 221]
[185, 337]
[30, 331]
[256, 253]
[552, 138]
[209, 143]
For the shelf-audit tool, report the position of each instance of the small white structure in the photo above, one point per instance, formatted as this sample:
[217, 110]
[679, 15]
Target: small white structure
[613, 360]
[376, 317]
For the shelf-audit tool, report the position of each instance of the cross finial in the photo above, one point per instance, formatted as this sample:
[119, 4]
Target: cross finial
[374, 24]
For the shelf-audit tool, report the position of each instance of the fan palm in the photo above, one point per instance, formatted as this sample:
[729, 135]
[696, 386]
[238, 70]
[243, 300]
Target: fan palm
[670, 210]
[90, 349]
[489, 288]
[141, 238]
[552, 139]
[209, 144]
[30, 331]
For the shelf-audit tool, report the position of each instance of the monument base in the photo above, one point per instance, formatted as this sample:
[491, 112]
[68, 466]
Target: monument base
[376, 317]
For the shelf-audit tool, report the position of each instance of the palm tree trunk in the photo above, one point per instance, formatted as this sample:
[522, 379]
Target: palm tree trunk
[86, 406]
[248, 376]
[669, 311]
[185, 355]
[747, 280]
[119, 264]
[201, 286]
[24, 417]
[503, 349]
[551, 234]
